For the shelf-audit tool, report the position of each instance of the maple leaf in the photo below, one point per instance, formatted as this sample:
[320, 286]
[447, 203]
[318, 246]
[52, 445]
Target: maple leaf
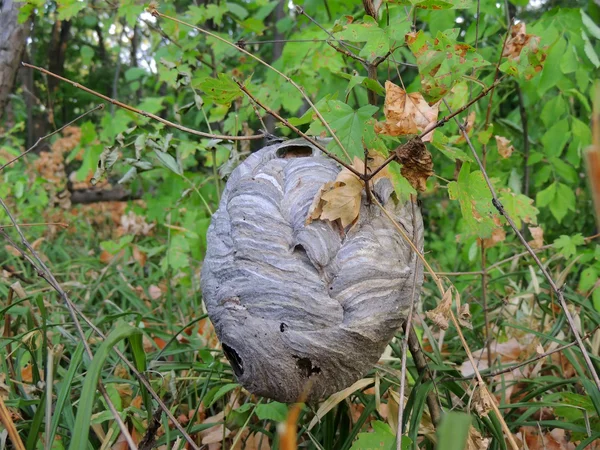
[406, 113]
[416, 161]
[339, 199]
[505, 148]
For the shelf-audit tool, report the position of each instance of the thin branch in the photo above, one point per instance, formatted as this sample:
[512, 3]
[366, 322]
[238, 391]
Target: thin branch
[44, 273]
[34, 146]
[440, 123]
[301, 133]
[144, 113]
[557, 291]
[41, 224]
[156, 13]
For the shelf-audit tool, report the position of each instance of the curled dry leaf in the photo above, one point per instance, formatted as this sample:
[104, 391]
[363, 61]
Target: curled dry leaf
[476, 441]
[440, 315]
[464, 316]
[517, 40]
[481, 401]
[406, 113]
[538, 237]
[417, 164]
[505, 148]
[470, 123]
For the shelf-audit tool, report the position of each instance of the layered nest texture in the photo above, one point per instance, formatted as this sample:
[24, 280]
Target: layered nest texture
[305, 308]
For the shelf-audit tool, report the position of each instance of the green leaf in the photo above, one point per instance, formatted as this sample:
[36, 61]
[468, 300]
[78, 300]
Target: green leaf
[87, 53]
[348, 124]
[552, 74]
[67, 9]
[588, 48]
[237, 10]
[381, 438]
[401, 185]
[531, 61]
[453, 431]
[567, 245]
[223, 390]
[81, 430]
[222, 90]
[377, 41]
[108, 158]
[587, 279]
[168, 161]
[569, 63]
[442, 62]
[544, 197]
[563, 201]
[519, 207]
[475, 201]
[272, 411]
[589, 24]
[441, 142]
[556, 138]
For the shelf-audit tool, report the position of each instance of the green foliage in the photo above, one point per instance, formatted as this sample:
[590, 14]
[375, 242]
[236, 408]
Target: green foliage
[119, 274]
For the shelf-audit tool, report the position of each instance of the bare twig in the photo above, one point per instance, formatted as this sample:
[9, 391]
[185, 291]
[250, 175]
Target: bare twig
[40, 224]
[301, 133]
[555, 289]
[156, 13]
[43, 138]
[144, 113]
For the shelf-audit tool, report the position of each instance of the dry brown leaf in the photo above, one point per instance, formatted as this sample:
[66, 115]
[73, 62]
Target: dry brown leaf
[481, 401]
[139, 256]
[440, 315]
[11, 250]
[464, 316]
[498, 235]
[538, 237]
[214, 434]
[475, 441]
[155, 292]
[505, 148]
[517, 40]
[406, 113]
[416, 161]
[555, 439]
[340, 199]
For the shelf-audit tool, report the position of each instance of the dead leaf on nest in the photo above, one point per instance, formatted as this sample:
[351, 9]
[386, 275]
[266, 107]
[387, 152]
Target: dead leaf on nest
[505, 148]
[517, 40]
[537, 233]
[406, 113]
[339, 199]
[416, 161]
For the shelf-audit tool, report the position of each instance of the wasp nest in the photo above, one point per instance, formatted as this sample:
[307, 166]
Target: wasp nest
[294, 302]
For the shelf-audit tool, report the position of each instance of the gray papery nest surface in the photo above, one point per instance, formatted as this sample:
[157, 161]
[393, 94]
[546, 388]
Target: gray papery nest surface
[292, 302]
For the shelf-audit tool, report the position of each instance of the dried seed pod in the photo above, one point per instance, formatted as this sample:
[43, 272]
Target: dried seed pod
[291, 301]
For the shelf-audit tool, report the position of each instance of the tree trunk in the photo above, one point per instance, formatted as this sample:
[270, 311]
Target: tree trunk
[13, 39]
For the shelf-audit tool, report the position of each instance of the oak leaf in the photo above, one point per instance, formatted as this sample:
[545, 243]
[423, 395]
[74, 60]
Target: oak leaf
[406, 113]
[505, 148]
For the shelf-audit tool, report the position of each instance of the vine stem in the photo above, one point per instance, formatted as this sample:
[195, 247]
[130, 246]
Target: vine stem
[156, 13]
[141, 112]
[440, 287]
[559, 293]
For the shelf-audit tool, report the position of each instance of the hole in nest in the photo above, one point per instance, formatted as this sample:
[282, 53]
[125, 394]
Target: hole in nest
[306, 368]
[295, 151]
[234, 359]
[283, 327]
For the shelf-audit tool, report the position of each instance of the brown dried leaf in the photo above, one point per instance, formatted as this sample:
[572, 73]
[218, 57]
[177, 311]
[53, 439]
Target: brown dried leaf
[538, 237]
[406, 113]
[517, 40]
[481, 401]
[464, 316]
[505, 148]
[468, 128]
[416, 161]
[498, 235]
[341, 199]
[555, 439]
[475, 441]
[440, 315]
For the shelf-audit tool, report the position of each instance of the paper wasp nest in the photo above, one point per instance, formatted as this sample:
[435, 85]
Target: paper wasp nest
[292, 302]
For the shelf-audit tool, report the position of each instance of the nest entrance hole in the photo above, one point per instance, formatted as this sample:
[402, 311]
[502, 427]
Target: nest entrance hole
[294, 151]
